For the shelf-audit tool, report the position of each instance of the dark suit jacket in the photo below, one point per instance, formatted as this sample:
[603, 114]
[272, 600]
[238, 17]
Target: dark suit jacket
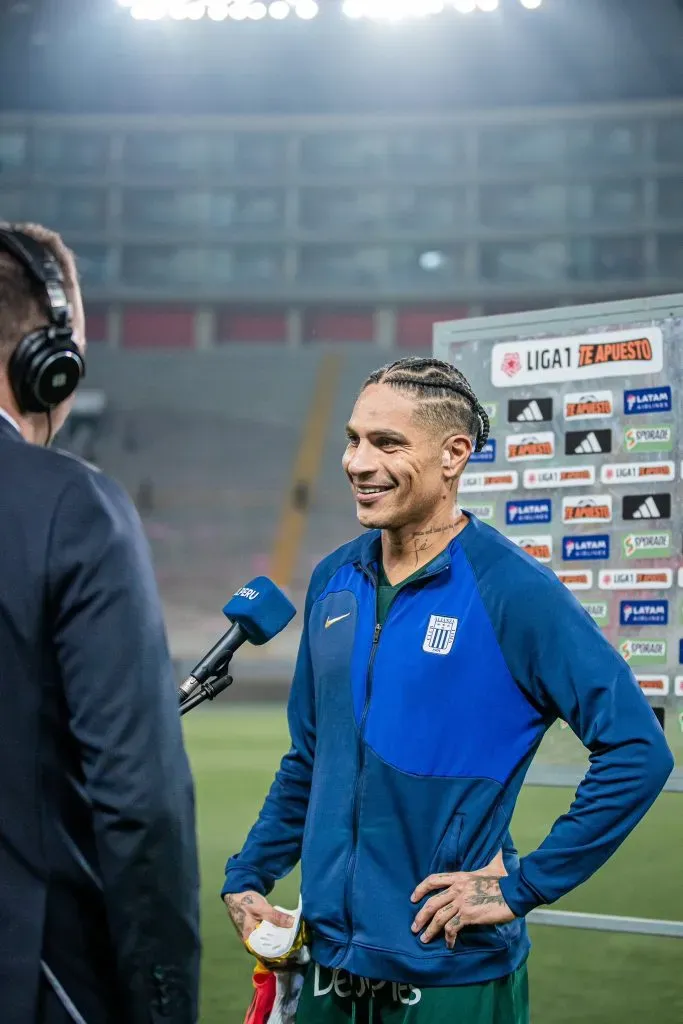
[98, 862]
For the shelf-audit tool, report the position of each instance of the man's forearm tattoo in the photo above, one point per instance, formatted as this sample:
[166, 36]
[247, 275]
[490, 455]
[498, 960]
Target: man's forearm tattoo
[238, 913]
[486, 891]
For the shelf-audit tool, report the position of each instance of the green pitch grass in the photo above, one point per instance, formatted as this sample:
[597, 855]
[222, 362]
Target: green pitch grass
[576, 976]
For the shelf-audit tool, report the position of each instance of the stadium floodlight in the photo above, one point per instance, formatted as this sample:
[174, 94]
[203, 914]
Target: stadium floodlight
[218, 12]
[195, 10]
[239, 11]
[257, 10]
[279, 9]
[306, 9]
[392, 10]
[432, 260]
[531, 5]
[488, 5]
[465, 6]
[149, 10]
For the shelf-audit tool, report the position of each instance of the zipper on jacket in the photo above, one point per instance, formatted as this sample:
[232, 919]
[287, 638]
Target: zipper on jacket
[351, 865]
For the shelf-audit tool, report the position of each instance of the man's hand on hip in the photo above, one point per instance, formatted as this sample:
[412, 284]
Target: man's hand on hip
[248, 909]
[466, 897]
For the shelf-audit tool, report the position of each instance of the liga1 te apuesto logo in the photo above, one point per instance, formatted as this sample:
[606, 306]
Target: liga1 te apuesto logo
[635, 579]
[647, 545]
[631, 472]
[587, 356]
[503, 481]
[559, 476]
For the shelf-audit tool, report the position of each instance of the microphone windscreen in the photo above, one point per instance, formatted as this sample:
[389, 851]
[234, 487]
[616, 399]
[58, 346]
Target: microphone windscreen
[261, 609]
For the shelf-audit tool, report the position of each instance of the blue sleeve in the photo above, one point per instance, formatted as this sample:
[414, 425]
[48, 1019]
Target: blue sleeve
[120, 694]
[273, 846]
[566, 667]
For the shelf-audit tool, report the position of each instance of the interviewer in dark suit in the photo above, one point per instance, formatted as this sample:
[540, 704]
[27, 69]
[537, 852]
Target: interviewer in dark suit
[98, 864]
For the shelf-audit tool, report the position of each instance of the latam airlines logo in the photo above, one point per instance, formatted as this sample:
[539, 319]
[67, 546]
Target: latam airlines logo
[643, 400]
[487, 454]
[524, 513]
[585, 548]
[644, 613]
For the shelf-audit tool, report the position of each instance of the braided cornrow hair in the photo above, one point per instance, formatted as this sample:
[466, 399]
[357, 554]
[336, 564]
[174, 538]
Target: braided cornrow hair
[443, 393]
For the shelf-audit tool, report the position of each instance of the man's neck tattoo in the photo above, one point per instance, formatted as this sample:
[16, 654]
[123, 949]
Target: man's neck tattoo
[422, 537]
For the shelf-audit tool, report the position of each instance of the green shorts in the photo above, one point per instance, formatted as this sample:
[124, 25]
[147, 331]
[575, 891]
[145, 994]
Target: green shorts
[335, 997]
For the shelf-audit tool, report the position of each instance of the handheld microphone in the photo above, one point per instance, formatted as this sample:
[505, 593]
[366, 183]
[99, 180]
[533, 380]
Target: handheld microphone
[258, 612]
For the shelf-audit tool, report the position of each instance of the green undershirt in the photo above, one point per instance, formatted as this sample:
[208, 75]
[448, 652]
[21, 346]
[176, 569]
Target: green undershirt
[386, 592]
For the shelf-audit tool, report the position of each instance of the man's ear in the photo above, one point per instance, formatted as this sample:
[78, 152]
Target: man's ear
[456, 451]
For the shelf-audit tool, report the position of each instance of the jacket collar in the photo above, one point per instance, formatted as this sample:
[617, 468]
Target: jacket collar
[371, 553]
[9, 428]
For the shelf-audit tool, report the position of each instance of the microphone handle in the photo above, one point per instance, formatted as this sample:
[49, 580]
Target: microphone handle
[187, 688]
[207, 691]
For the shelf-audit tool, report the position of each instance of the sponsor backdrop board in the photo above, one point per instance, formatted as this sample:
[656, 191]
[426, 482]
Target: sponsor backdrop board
[584, 465]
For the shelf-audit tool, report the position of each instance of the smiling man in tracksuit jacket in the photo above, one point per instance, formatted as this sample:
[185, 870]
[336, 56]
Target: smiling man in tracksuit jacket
[435, 655]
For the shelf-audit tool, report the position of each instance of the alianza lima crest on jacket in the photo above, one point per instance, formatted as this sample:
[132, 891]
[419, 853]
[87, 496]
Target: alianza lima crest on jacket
[410, 744]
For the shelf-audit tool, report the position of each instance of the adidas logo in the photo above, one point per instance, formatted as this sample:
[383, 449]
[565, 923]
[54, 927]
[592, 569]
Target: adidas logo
[589, 446]
[648, 510]
[531, 414]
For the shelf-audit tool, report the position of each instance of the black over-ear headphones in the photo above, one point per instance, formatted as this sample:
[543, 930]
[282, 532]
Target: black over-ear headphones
[46, 367]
